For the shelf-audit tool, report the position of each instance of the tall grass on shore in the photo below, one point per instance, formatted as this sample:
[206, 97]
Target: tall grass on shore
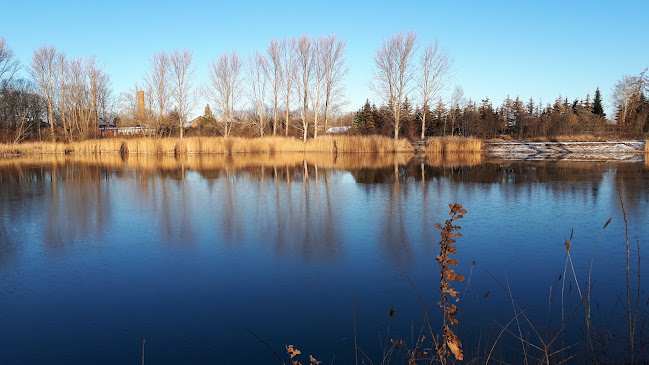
[438, 145]
[214, 145]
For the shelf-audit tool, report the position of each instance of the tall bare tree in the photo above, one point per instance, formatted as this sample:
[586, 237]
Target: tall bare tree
[157, 80]
[621, 97]
[45, 71]
[317, 84]
[393, 72]
[182, 72]
[332, 53]
[455, 109]
[225, 77]
[303, 78]
[99, 87]
[21, 109]
[289, 69]
[257, 74]
[435, 66]
[9, 65]
[275, 73]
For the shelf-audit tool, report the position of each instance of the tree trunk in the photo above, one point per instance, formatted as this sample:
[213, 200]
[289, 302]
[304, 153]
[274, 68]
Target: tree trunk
[423, 124]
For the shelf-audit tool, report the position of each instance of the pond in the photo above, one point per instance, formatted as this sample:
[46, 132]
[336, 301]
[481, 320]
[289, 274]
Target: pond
[225, 259]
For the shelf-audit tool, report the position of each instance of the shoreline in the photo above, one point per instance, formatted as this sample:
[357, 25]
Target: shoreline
[611, 150]
[614, 150]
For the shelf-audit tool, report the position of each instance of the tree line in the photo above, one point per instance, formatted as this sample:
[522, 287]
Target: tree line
[462, 117]
[295, 87]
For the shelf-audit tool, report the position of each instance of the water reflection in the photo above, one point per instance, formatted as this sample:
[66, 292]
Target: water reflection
[231, 232]
[288, 197]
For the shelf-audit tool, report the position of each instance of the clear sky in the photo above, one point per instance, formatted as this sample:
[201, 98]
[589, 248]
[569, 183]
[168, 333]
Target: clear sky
[536, 49]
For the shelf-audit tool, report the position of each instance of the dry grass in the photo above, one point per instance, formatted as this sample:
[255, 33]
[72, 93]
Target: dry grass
[215, 145]
[374, 144]
[438, 145]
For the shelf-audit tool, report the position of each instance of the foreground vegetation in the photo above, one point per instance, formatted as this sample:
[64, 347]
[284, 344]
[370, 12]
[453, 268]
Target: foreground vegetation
[617, 337]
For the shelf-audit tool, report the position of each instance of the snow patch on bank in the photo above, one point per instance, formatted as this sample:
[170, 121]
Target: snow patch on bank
[631, 151]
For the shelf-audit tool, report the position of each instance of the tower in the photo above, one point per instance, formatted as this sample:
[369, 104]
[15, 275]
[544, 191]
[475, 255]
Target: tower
[140, 105]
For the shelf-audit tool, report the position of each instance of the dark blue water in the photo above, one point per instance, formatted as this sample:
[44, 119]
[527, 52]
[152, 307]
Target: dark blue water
[196, 257]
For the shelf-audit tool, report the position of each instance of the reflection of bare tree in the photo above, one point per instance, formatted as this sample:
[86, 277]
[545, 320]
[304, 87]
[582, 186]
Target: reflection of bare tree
[633, 184]
[302, 213]
[426, 222]
[395, 240]
[7, 247]
[77, 208]
[175, 216]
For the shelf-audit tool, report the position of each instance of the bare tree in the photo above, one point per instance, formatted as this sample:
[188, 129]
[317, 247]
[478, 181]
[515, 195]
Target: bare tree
[225, 76]
[257, 70]
[332, 52]
[158, 84]
[318, 74]
[45, 72]
[274, 72]
[621, 96]
[21, 109]
[457, 104]
[9, 65]
[99, 87]
[435, 66]
[303, 77]
[289, 70]
[78, 93]
[393, 73]
[182, 73]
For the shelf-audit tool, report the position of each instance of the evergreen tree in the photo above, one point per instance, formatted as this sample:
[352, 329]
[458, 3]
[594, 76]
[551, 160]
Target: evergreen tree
[597, 104]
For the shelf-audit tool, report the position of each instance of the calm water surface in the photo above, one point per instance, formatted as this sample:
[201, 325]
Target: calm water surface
[193, 254]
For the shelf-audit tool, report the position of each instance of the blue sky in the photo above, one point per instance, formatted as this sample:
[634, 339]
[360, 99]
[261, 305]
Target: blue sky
[536, 49]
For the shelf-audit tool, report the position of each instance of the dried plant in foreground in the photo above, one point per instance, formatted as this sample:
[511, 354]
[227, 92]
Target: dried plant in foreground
[293, 352]
[449, 310]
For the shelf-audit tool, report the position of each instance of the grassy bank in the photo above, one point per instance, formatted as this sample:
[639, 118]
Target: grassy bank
[214, 145]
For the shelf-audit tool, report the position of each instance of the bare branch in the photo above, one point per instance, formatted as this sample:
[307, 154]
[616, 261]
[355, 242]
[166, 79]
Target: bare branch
[225, 77]
[393, 74]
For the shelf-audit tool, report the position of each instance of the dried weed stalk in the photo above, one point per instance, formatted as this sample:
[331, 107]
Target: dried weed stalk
[293, 352]
[449, 310]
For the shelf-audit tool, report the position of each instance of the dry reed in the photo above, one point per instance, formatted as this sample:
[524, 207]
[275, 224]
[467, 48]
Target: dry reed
[215, 145]
[438, 145]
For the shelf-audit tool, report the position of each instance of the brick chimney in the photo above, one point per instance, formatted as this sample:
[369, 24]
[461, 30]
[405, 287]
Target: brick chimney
[140, 105]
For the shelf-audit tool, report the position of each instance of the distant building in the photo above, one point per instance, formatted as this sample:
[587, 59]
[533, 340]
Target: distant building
[337, 130]
[112, 131]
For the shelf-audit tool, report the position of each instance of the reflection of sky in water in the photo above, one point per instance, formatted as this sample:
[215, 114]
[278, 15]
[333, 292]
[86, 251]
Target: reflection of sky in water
[95, 258]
